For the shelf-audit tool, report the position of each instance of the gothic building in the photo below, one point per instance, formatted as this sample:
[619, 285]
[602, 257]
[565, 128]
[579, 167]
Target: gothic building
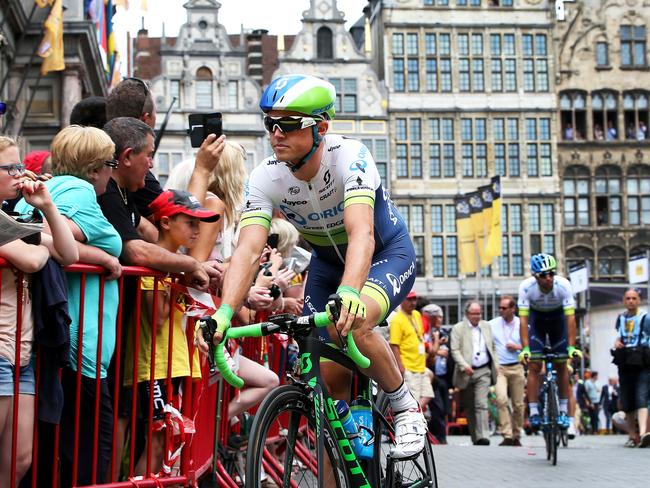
[470, 95]
[39, 106]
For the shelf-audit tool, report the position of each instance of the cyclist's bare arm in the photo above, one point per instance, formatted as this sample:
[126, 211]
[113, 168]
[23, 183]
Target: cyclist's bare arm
[571, 329]
[523, 330]
[359, 226]
[243, 264]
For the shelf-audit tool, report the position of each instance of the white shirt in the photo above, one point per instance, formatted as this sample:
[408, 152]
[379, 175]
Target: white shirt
[479, 349]
[503, 333]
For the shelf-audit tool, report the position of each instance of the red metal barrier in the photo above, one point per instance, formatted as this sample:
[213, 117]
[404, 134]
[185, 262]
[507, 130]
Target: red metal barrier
[199, 398]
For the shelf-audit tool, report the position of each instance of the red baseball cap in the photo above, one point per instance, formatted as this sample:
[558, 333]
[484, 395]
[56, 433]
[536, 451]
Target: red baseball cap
[34, 160]
[173, 202]
[411, 294]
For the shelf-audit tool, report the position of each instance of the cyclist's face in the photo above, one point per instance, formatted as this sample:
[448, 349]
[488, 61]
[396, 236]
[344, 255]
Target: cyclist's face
[292, 146]
[545, 281]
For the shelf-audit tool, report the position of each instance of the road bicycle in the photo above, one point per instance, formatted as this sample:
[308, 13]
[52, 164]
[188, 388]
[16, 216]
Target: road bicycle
[550, 404]
[297, 438]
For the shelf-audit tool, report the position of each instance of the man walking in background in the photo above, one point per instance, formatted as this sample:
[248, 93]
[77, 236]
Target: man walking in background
[472, 347]
[510, 377]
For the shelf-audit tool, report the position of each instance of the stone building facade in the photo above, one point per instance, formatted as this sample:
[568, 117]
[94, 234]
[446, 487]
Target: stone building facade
[38, 107]
[471, 95]
[604, 150]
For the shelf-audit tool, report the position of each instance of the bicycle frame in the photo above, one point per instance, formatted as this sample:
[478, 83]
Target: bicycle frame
[311, 350]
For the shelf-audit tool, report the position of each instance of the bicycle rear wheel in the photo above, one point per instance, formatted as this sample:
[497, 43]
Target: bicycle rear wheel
[283, 443]
[386, 472]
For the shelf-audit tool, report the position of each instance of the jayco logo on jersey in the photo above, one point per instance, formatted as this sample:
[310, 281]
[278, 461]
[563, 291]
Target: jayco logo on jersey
[292, 203]
[398, 281]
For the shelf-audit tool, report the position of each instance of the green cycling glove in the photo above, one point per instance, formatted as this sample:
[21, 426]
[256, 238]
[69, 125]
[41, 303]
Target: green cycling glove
[573, 351]
[351, 301]
[222, 317]
[524, 355]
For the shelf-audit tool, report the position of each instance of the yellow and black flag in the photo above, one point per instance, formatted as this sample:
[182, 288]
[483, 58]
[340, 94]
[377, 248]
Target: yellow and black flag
[466, 241]
[493, 244]
[476, 210]
[485, 192]
[51, 47]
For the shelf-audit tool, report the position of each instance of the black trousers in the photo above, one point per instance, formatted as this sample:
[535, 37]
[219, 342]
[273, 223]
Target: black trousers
[439, 407]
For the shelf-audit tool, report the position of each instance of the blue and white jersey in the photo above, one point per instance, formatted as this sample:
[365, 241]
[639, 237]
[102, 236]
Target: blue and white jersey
[347, 175]
[531, 297]
[630, 329]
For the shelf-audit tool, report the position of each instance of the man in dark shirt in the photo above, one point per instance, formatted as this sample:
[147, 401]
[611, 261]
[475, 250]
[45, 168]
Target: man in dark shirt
[134, 149]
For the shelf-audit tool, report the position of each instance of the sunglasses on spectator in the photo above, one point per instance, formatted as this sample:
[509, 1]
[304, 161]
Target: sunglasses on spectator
[111, 163]
[504, 308]
[545, 274]
[3, 108]
[144, 87]
[289, 123]
[13, 169]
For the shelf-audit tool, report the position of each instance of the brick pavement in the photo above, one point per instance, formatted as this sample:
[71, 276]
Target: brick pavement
[589, 461]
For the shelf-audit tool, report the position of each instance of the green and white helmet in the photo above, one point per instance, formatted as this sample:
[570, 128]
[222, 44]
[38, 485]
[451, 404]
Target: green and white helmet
[304, 94]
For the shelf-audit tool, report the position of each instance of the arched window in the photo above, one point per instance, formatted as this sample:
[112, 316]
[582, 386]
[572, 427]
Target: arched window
[578, 255]
[638, 195]
[204, 88]
[604, 107]
[608, 195]
[573, 113]
[635, 111]
[611, 262]
[576, 196]
[325, 48]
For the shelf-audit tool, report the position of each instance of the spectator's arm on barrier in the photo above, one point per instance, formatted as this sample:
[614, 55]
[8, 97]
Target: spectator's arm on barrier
[142, 253]
[26, 257]
[61, 244]
[94, 255]
[147, 230]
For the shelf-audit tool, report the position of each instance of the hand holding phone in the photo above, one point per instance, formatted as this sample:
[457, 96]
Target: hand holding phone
[202, 125]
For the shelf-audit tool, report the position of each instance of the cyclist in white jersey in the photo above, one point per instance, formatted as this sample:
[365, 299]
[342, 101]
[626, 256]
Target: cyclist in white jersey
[547, 314]
[328, 187]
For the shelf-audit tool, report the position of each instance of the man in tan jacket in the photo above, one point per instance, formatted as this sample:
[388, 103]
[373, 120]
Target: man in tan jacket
[472, 348]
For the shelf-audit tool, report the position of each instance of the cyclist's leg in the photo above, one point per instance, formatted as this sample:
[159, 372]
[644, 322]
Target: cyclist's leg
[536, 340]
[557, 335]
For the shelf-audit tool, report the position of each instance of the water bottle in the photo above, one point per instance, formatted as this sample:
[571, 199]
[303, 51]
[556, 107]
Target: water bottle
[350, 427]
[361, 411]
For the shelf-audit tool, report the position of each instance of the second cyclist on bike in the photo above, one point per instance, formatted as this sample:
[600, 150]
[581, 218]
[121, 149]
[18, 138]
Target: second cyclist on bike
[547, 313]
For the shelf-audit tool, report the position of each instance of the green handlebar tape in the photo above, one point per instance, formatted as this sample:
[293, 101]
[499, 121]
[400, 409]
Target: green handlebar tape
[347, 289]
[356, 356]
[223, 317]
[322, 319]
[227, 374]
[252, 330]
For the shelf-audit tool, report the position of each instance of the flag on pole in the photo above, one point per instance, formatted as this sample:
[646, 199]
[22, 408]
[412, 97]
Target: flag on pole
[493, 246]
[579, 277]
[478, 226]
[51, 47]
[466, 241]
[638, 269]
[485, 194]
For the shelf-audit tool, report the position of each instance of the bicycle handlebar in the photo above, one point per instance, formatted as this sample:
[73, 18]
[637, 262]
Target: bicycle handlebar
[280, 323]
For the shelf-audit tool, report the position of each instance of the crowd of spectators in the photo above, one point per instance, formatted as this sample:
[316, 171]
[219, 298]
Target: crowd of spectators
[474, 358]
[101, 205]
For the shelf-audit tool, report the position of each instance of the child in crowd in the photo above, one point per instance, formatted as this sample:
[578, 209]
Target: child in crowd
[16, 335]
[177, 215]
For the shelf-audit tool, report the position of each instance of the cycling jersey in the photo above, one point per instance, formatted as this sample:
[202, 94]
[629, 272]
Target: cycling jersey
[532, 297]
[347, 175]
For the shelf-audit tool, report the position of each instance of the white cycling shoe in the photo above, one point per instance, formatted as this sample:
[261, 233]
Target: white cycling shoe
[572, 431]
[410, 433]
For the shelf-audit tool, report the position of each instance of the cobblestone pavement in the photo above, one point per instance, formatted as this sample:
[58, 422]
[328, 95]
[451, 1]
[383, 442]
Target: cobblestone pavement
[589, 461]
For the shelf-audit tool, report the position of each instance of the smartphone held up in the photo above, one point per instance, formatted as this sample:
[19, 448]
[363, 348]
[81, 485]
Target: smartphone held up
[202, 125]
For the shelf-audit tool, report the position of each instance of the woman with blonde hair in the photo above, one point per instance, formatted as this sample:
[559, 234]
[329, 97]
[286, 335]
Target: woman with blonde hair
[225, 196]
[16, 350]
[82, 163]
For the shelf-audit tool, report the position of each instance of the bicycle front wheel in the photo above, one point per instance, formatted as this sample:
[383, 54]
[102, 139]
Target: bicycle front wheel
[388, 473]
[554, 429]
[283, 444]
